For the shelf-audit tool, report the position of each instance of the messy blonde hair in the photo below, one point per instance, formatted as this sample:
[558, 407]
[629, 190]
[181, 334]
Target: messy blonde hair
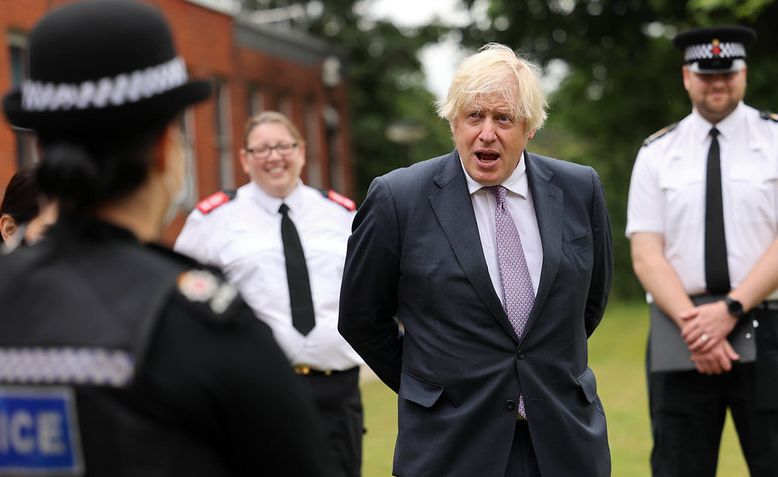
[495, 68]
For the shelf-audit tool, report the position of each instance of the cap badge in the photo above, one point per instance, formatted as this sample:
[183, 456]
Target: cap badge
[715, 49]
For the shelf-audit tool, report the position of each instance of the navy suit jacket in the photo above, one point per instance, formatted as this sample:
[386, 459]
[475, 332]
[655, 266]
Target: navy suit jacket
[415, 258]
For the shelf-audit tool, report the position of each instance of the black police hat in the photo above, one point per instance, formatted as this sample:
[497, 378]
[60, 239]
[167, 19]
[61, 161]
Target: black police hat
[101, 65]
[717, 49]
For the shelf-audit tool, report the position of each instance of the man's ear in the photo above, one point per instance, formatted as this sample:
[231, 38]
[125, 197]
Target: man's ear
[531, 134]
[7, 227]
[686, 76]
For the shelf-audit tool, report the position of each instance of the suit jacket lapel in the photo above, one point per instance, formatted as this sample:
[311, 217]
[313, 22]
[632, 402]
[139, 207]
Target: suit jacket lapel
[454, 210]
[548, 203]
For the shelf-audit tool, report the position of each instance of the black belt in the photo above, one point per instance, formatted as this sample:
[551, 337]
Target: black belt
[306, 370]
[770, 305]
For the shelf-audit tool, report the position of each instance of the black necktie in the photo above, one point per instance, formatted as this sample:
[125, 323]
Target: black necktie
[716, 268]
[296, 275]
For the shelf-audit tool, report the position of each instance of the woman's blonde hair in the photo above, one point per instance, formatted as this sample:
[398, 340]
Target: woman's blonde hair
[495, 68]
[271, 117]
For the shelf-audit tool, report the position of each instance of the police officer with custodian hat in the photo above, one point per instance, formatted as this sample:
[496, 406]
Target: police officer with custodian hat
[702, 219]
[117, 357]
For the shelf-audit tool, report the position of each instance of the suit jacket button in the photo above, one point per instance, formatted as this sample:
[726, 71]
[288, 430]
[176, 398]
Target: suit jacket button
[510, 404]
[522, 356]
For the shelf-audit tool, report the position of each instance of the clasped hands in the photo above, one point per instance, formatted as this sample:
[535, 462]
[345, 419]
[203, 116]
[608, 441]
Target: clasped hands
[705, 332]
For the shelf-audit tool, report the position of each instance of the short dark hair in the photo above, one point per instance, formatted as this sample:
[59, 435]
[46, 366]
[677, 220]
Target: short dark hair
[83, 173]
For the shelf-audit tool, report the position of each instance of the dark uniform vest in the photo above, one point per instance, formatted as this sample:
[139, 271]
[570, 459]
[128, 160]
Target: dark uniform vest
[78, 312]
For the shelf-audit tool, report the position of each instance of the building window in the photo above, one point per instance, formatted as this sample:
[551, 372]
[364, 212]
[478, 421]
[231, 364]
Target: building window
[256, 102]
[312, 137]
[26, 153]
[332, 124]
[285, 106]
[224, 134]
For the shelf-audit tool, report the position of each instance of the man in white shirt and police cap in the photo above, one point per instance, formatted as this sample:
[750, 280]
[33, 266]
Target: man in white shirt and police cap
[283, 244]
[703, 221]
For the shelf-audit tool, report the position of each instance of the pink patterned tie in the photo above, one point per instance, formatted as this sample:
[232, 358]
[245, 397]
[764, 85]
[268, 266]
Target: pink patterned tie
[518, 295]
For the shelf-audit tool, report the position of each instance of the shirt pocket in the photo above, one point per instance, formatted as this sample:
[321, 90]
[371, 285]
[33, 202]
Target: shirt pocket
[257, 268]
[753, 188]
[683, 190]
[325, 257]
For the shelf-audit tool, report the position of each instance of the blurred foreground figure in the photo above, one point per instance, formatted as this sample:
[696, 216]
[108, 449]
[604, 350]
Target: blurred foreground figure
[119, 358]
[25, 213]
[702, 219]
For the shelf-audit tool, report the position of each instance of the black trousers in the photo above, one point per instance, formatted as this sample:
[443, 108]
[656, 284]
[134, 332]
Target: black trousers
[522, 461]
[688, 411]
[339, 405]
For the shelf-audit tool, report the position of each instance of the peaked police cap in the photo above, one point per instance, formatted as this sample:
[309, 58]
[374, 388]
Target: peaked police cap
[716, 49]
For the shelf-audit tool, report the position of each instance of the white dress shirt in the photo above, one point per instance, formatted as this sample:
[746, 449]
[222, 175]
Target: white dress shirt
[243, 237]
[522, 211]
[667, 193]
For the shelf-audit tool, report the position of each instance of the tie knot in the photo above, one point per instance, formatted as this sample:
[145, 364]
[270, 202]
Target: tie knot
[499, 193]
[284, 209]
[714, 132]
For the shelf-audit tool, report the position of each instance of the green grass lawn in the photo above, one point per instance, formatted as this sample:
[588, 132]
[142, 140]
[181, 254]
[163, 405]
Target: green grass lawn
[617, 355]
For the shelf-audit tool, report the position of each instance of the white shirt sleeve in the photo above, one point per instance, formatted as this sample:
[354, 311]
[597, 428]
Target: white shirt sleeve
[645, 202]
[194, 239]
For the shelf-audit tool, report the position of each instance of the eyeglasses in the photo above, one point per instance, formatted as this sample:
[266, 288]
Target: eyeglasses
[284, 149]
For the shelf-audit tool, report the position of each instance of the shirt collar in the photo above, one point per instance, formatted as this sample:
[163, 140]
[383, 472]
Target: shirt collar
[726, 126]
[294, 200]
[516, 182]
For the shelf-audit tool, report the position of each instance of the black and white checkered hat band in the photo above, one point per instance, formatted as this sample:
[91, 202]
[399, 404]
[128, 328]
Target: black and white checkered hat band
[123, 89]
[704, 51]
[92, 366]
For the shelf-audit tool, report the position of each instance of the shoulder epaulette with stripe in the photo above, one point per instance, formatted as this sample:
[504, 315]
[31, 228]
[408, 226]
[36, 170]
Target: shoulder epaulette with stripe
[769, 116]
[339, 199]
[214, 201]
[659, 134]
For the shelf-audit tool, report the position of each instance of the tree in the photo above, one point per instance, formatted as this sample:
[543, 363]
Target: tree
[624, 78]
[386, 83]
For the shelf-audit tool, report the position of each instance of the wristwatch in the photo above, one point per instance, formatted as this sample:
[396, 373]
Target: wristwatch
[734, 307]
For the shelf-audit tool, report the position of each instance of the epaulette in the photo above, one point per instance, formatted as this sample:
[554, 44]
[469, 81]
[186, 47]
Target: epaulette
[339, 199]
[659, 134]
[203, 286]
[214, 201]
[769, 116]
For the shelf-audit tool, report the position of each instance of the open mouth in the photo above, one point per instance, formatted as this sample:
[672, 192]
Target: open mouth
[487, 156]
[275, 170]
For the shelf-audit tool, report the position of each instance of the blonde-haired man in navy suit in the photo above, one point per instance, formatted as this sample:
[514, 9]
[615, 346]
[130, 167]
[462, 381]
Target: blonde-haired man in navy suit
[497, 263]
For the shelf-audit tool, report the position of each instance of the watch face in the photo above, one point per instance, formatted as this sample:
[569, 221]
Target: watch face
[735, 307]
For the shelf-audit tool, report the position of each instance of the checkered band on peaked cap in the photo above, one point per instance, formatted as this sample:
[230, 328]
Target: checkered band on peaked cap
[100, 64]
[716, 49]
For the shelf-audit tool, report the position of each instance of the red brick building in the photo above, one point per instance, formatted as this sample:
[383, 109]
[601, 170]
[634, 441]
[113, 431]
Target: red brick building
[253, 68]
